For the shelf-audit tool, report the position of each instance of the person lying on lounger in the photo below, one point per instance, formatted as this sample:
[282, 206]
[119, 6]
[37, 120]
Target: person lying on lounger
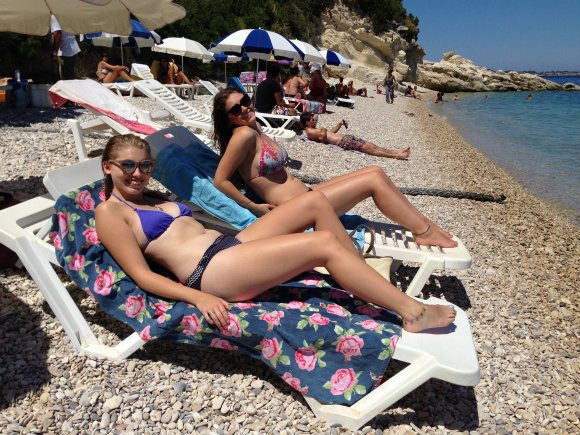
[347, 142]
[248, 154]
[136, 226]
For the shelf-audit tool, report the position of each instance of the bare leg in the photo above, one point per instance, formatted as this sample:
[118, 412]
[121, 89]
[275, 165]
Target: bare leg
[123, 74]
[311, 209]
[111, 77]
[375, 150]
[346, 191]
[257, 265]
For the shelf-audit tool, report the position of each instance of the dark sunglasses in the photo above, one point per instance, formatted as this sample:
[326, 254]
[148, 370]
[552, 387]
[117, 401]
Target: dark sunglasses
[130, 166]
[236, 109]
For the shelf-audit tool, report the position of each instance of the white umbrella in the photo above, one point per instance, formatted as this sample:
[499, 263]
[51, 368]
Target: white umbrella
[335, 59]
[309, 52]
[258, 44]
[183, 47]
[32, 17]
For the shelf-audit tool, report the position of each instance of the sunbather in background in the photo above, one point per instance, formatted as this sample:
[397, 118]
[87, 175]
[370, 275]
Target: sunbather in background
[347, 142]
[249, 156]
[135, 226]
[108, 73]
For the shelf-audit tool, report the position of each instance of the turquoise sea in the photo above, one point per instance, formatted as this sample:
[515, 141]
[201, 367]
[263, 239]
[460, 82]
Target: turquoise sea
[537, 141]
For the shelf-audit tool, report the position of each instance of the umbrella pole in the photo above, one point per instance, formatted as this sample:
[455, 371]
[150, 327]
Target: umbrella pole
[182, 64]
[122, 61]
[225, 73]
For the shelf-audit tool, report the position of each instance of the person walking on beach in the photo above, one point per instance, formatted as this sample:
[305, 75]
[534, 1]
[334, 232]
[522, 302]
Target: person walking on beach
[389, 83]
[347, 142]
[64, 51]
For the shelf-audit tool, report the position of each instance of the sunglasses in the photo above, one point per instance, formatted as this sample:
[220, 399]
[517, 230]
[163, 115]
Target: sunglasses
[130, 166]
[236, 109]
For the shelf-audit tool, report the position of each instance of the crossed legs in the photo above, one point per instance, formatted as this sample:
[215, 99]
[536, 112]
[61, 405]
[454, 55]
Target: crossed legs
[345, 191]
[271, 253]
[375, 150]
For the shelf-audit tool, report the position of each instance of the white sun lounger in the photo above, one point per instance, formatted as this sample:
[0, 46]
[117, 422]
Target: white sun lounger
[189, 116]
[448, 355]
[144, 73]
[111, 111]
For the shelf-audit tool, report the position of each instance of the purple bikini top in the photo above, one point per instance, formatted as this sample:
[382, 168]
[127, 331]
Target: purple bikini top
[155, 222]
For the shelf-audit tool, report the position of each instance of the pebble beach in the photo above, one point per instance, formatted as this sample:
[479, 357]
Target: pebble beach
[521, 296]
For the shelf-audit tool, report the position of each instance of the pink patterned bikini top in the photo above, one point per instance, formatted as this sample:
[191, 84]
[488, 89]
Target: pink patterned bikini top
[271, 160]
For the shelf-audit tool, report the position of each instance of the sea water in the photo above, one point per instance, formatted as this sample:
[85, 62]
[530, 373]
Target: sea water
[536, 140]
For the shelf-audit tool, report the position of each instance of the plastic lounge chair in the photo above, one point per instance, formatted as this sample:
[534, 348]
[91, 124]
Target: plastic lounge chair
[186, 167]
[144, 73]
[447, 355]
[111, 112]
[120, 87]
[190, 117]
[210, 87]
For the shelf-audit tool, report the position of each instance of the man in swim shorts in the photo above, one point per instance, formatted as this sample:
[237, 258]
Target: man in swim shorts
[347, 142]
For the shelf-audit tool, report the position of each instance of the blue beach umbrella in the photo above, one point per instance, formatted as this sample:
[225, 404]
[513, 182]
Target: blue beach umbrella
[335, 59]
[139, 37]
[257, 44]
[225, 58]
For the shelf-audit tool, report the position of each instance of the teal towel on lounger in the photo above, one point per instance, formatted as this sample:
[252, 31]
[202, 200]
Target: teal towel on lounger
[186, 166]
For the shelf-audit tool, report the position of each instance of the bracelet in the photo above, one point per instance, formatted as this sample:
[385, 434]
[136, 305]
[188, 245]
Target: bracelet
[246, 203]
[427, 230]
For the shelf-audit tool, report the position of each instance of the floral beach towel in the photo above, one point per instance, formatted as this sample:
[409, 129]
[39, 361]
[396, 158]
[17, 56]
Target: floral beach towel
[315, 336]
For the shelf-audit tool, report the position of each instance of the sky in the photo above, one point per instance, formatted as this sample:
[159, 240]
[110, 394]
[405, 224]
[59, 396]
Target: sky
[516, 35]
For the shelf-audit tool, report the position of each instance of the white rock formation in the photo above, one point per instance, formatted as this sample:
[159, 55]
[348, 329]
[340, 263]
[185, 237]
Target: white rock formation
[369, 54]
[455, 73]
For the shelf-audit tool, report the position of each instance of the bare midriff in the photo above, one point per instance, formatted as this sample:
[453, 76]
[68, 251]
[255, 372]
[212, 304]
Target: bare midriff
[180, 248]
[277, 188]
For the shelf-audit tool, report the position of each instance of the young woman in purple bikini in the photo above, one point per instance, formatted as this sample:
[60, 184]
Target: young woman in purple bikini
[248, 153]
[135, 226]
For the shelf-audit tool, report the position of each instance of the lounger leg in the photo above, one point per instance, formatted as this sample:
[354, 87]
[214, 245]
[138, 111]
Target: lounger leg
[65, 309]
[354, 416]
[423, 274]
[77, 132]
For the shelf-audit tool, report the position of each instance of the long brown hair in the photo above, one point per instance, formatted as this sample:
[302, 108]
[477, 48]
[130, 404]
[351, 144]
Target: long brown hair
[222, 128]
[114, 146]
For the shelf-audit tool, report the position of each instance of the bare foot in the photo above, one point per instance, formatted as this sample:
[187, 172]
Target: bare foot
[447, 233]
[435, 236]
[403, 153]
[431, 316]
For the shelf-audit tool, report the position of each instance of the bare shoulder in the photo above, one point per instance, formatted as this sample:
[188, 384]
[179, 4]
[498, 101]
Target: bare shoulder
[243, 137]
[108, 210]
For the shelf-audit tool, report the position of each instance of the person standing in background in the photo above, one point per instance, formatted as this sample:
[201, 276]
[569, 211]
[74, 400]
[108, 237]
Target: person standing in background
[64, 51]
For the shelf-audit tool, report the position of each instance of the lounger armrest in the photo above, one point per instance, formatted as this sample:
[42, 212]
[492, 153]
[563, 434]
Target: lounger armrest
[24, 220]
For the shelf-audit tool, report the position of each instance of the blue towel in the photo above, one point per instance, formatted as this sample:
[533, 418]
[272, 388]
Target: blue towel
[188, 172]
[235, 83]
[186, 166]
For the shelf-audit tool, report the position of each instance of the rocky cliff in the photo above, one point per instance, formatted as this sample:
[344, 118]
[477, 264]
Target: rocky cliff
[455, 73]
[371, 55]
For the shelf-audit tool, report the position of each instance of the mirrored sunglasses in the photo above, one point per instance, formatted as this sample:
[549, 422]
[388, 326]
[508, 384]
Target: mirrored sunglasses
[130, 166]
[236, 109]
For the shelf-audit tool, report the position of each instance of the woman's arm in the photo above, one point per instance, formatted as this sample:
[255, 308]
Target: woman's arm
[118, 237]
[240, 147]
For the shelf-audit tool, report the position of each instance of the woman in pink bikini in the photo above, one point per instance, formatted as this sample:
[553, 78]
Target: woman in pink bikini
[247, 153]
[136, 226]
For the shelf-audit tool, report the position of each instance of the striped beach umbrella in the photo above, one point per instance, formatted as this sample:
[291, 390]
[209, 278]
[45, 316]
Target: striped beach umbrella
[308, 52]
[139, 37]
[335, 59]
[258, 44]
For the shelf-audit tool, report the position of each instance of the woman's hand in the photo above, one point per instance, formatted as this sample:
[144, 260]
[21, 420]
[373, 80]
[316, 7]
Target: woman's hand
[260, 209]
[214, 309]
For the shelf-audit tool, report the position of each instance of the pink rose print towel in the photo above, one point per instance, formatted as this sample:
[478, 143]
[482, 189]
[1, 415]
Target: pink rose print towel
[313, 335]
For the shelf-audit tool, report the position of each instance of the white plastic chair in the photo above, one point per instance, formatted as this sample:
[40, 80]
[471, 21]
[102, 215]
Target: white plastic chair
[189, 116]
[144, 72]
[447, 354]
